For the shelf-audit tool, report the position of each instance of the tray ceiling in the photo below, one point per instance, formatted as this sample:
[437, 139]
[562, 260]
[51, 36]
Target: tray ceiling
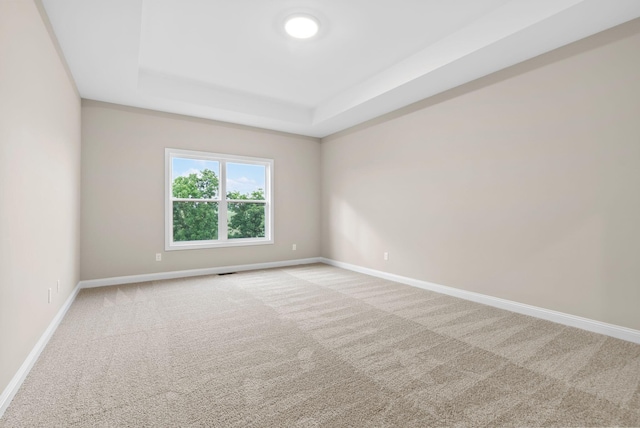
[232, 60]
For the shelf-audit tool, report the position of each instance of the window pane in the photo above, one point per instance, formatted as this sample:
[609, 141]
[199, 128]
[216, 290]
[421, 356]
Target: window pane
[195, 178]
[195, 221]
[245, 181]
[246, 220]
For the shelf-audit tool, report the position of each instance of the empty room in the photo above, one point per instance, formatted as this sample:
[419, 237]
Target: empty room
[303, 213]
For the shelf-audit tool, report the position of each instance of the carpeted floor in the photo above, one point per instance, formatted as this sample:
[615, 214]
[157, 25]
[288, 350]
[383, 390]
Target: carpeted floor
[314, 346]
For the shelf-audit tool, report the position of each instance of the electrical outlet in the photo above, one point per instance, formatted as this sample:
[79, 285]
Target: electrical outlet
[158, 257]
[385, 255]
[49, 295]
[293, 247]
[58, 287]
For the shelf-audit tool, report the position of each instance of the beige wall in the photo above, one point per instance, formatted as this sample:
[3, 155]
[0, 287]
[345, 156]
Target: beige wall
[524, 185]
[123, 190]
[39, 182]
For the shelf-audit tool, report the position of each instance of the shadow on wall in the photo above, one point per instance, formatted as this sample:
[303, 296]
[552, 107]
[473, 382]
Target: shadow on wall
[357, 238]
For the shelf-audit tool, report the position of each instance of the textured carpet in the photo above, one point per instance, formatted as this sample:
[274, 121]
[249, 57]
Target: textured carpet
[318, 346]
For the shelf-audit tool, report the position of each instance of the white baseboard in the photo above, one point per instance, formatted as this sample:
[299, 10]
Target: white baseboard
[193, 272]
[15, 383]
[612, 330]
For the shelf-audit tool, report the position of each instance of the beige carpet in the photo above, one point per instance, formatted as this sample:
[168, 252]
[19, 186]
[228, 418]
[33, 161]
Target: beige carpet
[318, 346]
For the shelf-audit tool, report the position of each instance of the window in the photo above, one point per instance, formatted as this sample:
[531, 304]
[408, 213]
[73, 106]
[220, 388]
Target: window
[216, 200]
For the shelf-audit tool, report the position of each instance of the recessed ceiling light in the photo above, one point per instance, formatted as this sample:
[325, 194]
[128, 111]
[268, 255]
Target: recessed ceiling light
[301, 26]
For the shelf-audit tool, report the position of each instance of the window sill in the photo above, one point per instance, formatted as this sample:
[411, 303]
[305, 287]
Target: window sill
[217, 244]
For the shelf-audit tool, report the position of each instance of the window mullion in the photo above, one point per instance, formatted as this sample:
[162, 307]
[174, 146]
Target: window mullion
[222, 209]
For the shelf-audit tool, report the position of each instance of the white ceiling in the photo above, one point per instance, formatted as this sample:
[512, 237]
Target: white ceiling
[230, 60]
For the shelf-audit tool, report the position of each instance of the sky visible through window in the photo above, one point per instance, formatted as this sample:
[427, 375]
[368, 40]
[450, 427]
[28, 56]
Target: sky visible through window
[244, 178]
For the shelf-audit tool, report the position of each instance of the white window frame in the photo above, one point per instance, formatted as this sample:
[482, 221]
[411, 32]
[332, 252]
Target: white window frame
[223, 240]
